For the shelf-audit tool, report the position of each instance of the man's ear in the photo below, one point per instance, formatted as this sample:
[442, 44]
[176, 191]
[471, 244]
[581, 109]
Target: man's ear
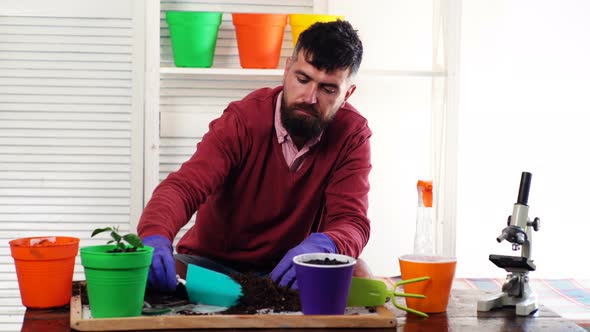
[286, 70]
[287, 64]
[349, 92]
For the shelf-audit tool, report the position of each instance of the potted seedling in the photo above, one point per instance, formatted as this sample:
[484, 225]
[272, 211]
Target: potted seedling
[116, 274]
[133, 240]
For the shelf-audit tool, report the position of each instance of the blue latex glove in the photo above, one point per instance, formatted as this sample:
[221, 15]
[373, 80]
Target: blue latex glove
[162, 275]
[284, 272]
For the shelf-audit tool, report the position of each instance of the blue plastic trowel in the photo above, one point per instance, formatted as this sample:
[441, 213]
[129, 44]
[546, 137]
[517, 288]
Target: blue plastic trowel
[209, 287]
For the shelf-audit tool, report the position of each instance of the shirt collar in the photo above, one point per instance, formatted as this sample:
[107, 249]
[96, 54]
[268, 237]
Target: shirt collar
[280, 130]
[282, 133]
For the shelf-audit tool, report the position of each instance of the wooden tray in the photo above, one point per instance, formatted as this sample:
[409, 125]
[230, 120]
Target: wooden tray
[382, 318]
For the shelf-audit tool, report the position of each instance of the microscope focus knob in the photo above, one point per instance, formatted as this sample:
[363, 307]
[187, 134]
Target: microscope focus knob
[536, 224]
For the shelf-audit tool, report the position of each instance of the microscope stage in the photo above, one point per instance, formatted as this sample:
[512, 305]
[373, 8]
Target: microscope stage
[513, 262]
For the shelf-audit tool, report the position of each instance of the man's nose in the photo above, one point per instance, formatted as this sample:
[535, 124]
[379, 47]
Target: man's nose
[310, 96]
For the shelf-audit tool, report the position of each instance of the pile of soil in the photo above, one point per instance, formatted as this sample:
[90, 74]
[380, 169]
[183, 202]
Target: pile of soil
[258, 293]
[262, 293]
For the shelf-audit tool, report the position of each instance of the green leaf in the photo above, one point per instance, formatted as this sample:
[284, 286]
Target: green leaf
[116, 236]
[121, 246]
[133, 240]
[100, 230]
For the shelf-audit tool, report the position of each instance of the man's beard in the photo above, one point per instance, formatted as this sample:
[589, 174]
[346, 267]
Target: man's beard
[307, 126]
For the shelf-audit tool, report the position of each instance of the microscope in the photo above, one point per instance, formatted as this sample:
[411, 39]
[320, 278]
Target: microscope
[516, 290]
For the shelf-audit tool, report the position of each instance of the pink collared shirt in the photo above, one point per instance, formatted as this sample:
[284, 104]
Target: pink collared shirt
[293, 156]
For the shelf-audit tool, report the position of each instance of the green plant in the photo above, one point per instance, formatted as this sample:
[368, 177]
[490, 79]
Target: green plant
[131, 239]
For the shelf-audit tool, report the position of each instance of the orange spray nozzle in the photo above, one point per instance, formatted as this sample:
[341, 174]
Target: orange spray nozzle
[425, 189]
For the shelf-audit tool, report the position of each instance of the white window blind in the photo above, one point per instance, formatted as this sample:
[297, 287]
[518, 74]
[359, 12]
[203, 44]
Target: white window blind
[68, 125]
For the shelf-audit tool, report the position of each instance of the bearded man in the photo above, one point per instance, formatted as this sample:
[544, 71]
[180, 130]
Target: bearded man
[282, 172]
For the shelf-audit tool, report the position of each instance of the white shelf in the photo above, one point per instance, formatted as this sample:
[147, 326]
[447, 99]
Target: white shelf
[279, 72]
[401, 73]
[221, 71]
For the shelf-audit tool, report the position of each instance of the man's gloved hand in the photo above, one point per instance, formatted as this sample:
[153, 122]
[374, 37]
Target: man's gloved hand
[284, 272]
[162, 275]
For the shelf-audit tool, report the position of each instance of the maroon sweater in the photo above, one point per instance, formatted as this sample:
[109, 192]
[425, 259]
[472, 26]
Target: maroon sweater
[252, 209]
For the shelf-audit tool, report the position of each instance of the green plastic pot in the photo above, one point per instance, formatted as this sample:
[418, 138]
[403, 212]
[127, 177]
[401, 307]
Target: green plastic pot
[115, 281]
[193, 36]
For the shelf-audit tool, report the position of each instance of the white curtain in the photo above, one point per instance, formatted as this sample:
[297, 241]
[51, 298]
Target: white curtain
[446, 44]
[524, 106]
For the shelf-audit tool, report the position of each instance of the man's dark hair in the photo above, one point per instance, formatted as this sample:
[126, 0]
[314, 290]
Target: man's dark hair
[330, 46]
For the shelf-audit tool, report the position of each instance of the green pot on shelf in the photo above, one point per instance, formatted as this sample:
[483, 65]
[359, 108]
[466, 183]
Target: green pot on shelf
[115, 281]
[193, 36]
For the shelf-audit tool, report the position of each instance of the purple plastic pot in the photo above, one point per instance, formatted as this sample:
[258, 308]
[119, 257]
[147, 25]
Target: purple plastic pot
[323, 289]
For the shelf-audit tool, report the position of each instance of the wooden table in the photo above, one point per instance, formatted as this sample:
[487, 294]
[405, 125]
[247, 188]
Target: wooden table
[461, 316]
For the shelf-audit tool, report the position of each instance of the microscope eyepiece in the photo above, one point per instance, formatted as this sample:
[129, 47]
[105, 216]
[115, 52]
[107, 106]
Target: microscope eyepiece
[525, 186]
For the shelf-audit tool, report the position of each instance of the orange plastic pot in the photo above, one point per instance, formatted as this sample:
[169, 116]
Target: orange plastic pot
[260, 38]
[45, 268]
[437, 289]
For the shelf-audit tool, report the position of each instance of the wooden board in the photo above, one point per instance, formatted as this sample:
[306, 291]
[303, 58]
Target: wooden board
[382, 318]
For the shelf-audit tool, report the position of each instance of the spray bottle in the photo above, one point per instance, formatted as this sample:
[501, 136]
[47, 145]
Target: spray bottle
[424, 238]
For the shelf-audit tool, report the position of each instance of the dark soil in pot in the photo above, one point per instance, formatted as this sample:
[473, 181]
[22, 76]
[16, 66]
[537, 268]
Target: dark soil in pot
[325, 261]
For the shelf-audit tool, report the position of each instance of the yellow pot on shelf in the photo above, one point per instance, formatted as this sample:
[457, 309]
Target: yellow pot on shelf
[300, 22]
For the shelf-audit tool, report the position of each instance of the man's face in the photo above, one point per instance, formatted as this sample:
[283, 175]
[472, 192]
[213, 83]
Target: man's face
[311, 97]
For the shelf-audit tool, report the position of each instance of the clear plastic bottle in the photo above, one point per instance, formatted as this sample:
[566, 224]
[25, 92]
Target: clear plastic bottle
[424, 238]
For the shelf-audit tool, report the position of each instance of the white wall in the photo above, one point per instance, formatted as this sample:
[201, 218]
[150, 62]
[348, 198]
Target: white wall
[396, 37]
[524, 106]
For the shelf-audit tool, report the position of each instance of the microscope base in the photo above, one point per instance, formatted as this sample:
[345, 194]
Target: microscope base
[524, 306]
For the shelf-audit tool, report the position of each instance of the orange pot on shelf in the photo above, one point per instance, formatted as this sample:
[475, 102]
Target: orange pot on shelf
[45, 269]
[260, 38]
